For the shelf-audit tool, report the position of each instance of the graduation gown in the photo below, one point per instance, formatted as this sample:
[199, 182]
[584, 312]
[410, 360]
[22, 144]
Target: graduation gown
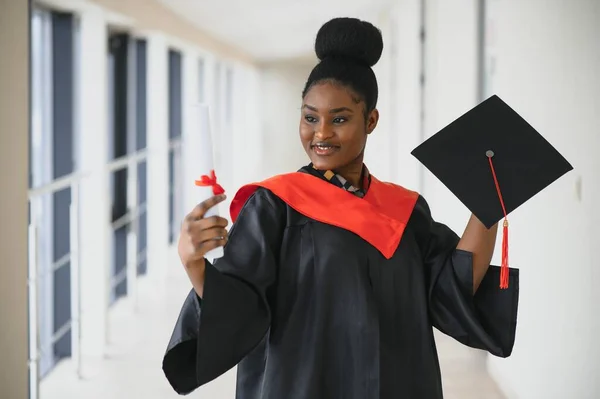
[324, 295]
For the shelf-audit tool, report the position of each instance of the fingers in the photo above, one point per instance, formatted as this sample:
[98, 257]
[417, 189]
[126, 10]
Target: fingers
[194, 227]
[201, 234]
[212, 244]
[208, 223]
[197, 252]
[200, 210]
[212, 234]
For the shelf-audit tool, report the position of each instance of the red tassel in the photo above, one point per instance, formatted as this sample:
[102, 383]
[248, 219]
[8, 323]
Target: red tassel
[504, 269]
[211, 181]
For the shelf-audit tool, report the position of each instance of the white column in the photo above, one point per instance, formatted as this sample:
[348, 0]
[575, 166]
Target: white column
[247, 144]
[211, 84]
[14, 122]
[377, 154]
[243, 135]
[405, 49]
[191, 96]
[158, 155]
[94, 201]
[250, 157]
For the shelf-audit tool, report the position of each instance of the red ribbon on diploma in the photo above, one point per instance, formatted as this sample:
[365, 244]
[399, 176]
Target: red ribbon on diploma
[211, 181]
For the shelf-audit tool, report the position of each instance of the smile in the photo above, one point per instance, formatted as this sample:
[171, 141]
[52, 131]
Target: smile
[324, 149]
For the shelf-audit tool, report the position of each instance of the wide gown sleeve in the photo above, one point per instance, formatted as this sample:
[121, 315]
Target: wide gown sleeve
[486, 320]
[214, 333]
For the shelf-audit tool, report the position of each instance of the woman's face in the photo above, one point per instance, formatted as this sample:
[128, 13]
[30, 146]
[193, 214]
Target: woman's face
[333, 129]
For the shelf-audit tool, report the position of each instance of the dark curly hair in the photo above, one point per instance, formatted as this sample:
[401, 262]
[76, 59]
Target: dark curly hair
[347, 49]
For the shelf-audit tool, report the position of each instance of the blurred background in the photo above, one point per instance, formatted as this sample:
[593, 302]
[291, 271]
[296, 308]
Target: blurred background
[95, 112]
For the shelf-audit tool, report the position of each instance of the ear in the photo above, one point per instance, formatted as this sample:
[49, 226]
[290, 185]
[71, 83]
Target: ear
[372, 120]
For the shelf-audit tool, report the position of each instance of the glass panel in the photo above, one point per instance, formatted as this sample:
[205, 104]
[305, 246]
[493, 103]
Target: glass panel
[142, 222]
[62, 163]
[141, 99]
[141, 130]
[175, 132]
[121, 137]
[175, 95]
[171, 196]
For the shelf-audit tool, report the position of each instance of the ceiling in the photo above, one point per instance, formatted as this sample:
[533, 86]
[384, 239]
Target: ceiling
[272, 30]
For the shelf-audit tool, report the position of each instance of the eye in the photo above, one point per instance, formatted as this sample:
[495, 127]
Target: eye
[339, 120]
[310, 119]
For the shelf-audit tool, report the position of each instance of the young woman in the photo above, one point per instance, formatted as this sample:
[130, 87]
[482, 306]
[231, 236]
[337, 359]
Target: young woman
[331, 280]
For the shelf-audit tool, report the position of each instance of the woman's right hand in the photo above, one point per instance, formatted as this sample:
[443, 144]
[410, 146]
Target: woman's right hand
[198, 236]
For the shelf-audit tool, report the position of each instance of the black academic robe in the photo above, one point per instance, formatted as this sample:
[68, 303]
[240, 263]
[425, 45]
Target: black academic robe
[308, 310]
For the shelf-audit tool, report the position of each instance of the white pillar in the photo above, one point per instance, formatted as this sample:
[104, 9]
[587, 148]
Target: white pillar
[14, 122]
[377, 154]
[191, 96]
[405, 51]
[158, 155]
[250, 157]
[95, 206]
[243, 134]
[211, 85]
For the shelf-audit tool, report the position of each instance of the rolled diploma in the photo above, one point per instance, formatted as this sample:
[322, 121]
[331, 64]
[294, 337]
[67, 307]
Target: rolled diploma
[202, 160]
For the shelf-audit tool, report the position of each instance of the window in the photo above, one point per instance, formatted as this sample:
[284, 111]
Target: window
[175, 131]
[127, 71]
[53, 37]
[119, 147]
[141, 132]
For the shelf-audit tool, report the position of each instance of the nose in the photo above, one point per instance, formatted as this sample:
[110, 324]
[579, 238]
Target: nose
[323, 131]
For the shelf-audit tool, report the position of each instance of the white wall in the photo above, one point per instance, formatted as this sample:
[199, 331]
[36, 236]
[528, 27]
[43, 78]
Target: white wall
[546, 62]
[378, 153]
[450, 89]
[404, 46]
[279, 103]
[248, 133]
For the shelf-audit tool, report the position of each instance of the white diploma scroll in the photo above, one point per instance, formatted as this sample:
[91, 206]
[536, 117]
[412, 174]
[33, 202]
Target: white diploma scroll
[203, 164]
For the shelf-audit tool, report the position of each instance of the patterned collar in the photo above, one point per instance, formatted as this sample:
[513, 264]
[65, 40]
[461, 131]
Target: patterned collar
[339, 181]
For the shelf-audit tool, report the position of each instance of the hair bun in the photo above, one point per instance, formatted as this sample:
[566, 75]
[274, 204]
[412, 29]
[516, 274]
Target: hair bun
[351, 39]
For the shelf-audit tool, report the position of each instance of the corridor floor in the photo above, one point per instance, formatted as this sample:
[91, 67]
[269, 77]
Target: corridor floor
[132, 367]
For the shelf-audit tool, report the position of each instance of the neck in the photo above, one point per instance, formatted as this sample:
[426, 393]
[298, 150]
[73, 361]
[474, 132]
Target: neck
[352, 172]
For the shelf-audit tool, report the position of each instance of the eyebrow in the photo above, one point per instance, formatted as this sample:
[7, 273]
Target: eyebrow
[331, 111]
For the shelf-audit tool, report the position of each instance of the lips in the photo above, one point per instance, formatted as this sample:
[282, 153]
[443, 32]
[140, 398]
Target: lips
[324, 149]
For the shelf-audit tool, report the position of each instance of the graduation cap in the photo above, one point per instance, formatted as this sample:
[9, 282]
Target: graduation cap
[493, 161]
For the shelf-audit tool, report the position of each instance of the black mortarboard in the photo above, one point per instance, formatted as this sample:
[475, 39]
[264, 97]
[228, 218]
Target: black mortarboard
[493, 161]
